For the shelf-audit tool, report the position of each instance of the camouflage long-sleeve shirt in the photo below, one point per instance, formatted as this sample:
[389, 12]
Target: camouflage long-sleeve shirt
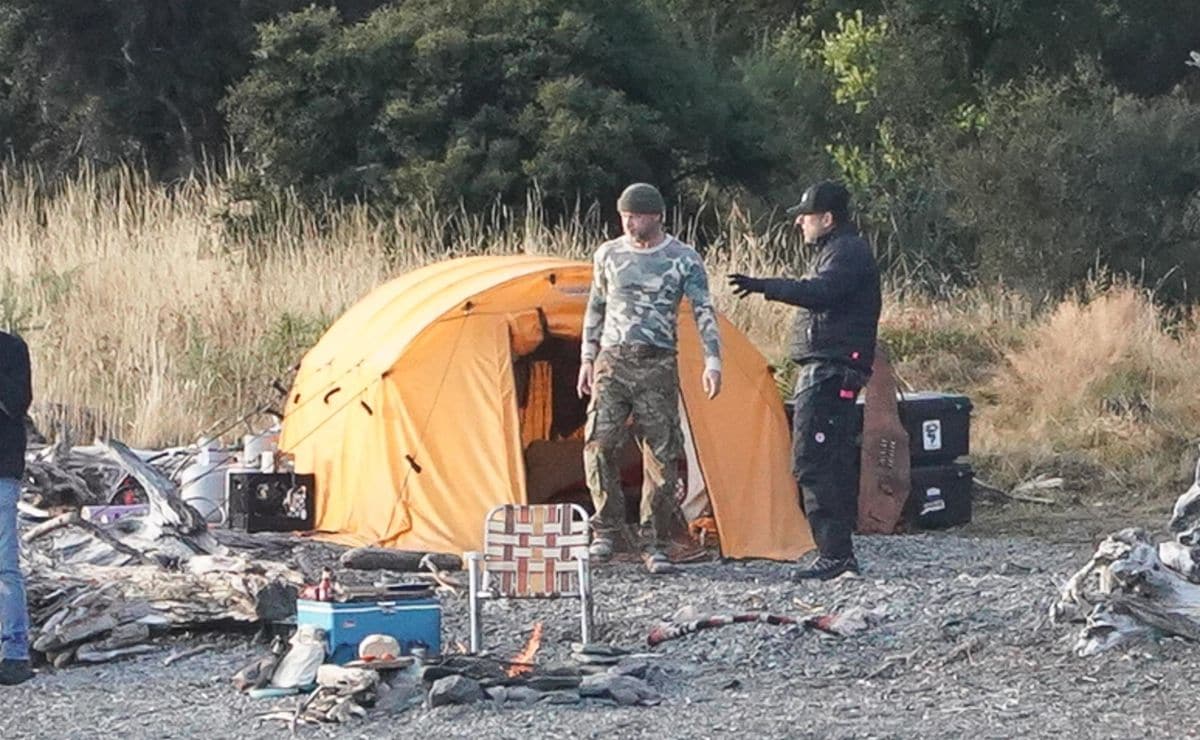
[636, 293]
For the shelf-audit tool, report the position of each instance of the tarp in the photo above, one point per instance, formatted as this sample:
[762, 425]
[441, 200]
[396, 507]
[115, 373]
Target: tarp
[406, 411]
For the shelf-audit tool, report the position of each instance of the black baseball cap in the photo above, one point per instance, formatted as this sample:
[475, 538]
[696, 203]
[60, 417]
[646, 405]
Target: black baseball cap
[824, 197]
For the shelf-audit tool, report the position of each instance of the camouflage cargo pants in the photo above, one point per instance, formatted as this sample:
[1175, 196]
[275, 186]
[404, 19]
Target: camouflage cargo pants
[641, 382]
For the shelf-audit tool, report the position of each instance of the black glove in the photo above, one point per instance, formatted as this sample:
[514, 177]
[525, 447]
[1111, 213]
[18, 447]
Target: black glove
[744, 285]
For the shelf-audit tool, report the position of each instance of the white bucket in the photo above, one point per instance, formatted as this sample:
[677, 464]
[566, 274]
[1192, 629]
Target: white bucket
[202, 482]
[254, 445]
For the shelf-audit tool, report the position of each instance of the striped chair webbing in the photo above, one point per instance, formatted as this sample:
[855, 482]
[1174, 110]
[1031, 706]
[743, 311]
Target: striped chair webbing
[532, 550]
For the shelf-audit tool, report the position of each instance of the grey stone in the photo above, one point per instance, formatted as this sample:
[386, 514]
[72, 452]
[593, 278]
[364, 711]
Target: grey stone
[589, 659]
[636, 667]
[521, 694]
[561, 697]
[597, 648]
[622, 689]
[624, 697]
[560, 669]
[455, 690]
[553, 683]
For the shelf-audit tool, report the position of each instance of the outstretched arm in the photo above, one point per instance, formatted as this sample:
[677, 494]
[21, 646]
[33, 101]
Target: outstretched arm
[835, 276]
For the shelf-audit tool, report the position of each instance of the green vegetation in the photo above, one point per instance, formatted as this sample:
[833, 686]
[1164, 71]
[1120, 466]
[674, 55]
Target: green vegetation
[1025, 141]
[192, 192]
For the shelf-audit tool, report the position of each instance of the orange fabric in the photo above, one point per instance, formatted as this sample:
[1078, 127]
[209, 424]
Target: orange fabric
[743, 446]
[406, 411]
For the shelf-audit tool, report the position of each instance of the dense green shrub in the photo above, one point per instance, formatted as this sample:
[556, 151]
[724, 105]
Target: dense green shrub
[1067, 177]
[478, 100]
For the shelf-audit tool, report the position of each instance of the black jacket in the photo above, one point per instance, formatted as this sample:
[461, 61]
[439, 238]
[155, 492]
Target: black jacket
[840, 301]
[15, 395]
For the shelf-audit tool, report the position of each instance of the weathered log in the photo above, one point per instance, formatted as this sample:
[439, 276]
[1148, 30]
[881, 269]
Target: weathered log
[109, 539]
[130, 599]
[405, 561]
[73, 631]
[1126, 591]
[123, 635]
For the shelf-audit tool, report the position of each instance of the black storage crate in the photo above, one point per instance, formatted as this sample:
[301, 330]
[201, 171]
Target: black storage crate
[941, 496]
[938, 425]
[271, 502]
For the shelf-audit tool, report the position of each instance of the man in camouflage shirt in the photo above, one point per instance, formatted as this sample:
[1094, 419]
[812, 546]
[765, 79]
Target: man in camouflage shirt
[629, 368]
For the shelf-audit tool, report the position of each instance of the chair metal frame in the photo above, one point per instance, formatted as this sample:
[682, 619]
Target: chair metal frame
[523, 558]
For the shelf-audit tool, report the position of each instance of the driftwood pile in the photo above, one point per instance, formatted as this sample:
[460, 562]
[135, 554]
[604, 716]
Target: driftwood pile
[98, 591]
[60, 477]
[1134, 588]
[97, 613]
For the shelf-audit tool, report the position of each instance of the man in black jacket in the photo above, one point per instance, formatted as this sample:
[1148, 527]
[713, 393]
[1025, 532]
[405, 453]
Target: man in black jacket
[833, 344]
[15, 394]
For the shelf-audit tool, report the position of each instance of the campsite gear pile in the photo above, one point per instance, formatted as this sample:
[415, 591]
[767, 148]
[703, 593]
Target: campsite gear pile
[1133, 588]
[337, 693]
[103, 587]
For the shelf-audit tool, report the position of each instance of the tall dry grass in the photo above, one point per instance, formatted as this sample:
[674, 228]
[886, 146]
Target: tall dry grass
[157, 311]
[1104, 379]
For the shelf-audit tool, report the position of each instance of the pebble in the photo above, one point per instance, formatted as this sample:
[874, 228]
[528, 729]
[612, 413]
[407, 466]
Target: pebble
[959, 645]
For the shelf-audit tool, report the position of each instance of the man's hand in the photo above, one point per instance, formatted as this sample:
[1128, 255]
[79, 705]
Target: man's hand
[712, 383]
[584, 386]
[744, 285]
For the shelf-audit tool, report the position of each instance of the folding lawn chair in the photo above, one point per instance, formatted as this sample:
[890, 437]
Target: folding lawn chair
[531, 551]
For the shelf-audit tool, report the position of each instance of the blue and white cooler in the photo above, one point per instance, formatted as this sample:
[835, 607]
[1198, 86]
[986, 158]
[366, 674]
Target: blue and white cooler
[414, 619]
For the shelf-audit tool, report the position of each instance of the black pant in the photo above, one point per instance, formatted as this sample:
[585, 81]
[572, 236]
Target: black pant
[825, 453]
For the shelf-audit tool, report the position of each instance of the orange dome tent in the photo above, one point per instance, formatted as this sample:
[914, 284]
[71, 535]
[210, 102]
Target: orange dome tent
[423, 405]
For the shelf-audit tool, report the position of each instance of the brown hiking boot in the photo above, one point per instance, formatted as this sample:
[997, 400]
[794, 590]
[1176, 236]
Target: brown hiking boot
[658, 563]
[601, 549]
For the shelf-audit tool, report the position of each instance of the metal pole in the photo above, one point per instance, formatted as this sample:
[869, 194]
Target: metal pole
[474, 561]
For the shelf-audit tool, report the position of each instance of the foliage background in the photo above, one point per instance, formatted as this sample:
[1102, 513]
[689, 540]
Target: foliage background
[1032, 141]
[191, 192]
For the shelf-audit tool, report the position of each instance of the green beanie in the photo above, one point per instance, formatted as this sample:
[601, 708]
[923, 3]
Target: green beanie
[641, 197]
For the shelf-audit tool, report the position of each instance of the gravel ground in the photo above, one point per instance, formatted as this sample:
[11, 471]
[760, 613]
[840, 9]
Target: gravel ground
[962, 646]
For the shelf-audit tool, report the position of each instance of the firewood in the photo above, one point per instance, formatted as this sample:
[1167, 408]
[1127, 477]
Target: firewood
[90, 654]
[58, 522]
[176, 657]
